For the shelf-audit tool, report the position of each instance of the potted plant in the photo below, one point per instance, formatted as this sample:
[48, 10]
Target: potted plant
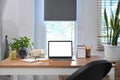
[112, 50]
[20, 45]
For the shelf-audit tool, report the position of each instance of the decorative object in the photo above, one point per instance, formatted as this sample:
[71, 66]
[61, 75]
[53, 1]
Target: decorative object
[22, 53]
[21, 44]
[112, 50]
[37, 53]
[81, 52]
[6, 48]
[12, 55]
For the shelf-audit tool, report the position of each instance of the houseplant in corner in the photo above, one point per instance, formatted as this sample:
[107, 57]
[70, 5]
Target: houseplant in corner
[20, 45]
[112, 50]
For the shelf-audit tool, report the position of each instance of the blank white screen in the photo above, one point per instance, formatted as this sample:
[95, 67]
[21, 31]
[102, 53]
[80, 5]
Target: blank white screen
[60, 49]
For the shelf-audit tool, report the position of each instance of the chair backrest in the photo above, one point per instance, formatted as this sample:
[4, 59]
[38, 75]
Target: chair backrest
[95, 70]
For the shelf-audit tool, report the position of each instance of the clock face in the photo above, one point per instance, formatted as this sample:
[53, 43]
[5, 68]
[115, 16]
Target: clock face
[22, 53]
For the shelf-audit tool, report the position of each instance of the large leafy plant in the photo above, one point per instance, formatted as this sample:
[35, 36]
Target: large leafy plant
[21, 42]
[114, 25]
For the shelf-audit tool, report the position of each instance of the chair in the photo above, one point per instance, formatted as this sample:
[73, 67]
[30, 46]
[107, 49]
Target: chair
[95, 70]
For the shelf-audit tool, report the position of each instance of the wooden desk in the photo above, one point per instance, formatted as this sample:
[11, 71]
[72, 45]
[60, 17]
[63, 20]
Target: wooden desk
[43, 67]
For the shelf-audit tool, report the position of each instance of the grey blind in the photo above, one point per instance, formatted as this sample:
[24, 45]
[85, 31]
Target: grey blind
[60, 10]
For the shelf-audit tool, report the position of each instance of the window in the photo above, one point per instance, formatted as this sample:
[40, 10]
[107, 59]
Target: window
[59, 17]
[52, 29]
[110, 5]
[60, 30]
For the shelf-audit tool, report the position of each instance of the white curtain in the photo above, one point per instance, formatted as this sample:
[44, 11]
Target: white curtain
[40, 34]
[39, 26]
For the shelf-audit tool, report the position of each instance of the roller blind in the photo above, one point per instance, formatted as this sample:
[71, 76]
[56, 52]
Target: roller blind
[61, 10]
[110, 5]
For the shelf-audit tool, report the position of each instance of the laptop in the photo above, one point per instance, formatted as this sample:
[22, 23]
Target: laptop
[61, 50]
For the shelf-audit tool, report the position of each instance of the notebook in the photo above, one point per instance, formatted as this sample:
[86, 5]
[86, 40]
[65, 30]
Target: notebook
[60, 49]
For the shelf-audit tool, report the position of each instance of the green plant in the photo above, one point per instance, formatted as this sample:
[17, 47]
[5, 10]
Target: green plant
[21, 42]
[25, 42]
[15, 44]
[114, 25]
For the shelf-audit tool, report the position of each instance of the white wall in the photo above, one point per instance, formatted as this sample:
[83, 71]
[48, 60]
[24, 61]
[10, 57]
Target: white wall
[10, 18]
[17, 19]
[0, 27]
[26, 18]
[87, 24]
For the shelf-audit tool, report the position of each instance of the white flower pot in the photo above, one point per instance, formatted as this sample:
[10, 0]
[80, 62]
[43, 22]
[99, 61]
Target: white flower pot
[112, 52]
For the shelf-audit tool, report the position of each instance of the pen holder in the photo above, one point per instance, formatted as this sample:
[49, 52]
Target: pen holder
[88, 51]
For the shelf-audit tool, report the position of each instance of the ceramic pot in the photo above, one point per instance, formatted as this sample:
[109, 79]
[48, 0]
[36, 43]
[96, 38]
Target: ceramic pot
[112, 52]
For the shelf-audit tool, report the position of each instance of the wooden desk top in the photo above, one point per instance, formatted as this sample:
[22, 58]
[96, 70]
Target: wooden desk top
[18, 63]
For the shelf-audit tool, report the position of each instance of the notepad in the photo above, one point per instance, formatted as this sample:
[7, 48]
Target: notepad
[30, 60]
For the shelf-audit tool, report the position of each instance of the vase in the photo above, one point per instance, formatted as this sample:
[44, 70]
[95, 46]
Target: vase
[112, 53]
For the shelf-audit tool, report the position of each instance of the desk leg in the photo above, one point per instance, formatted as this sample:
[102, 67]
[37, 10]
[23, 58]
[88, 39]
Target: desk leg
[112, 74]
[13, 77]
[22, 77]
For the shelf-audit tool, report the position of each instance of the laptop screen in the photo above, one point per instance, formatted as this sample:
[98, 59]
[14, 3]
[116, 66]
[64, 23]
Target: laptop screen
[60, 49]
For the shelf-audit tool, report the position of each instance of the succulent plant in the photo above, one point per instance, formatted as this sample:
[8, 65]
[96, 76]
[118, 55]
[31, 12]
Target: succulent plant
[114, 25]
